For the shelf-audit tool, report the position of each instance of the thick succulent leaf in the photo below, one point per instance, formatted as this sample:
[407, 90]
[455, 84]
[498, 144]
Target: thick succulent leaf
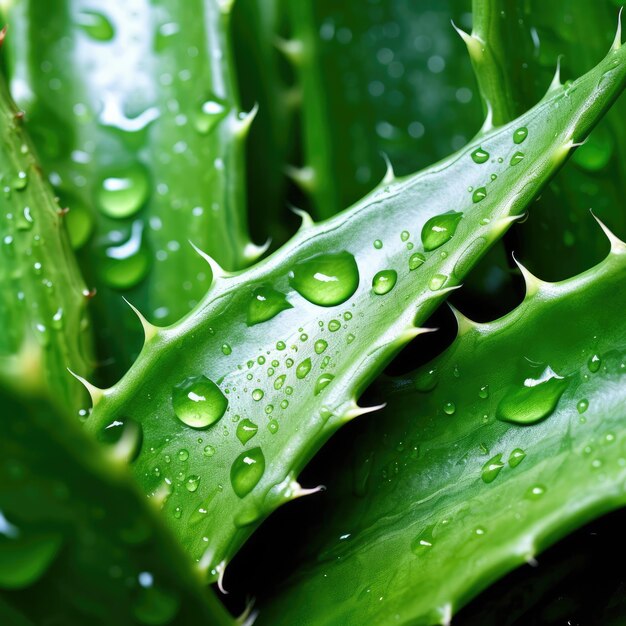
[236, 398]
[43, 300]
[135, 111]
[78, 543]
[515, 48]
[504, 443]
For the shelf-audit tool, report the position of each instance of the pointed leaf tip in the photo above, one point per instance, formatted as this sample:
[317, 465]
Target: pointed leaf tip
[95, 393]
[617, 245]
[307, 220]
[216, 268]
[533, 284]
[389, 176]
[253, 253]
[150, 330]
[464, 324]
[617, 42]
[357, 411]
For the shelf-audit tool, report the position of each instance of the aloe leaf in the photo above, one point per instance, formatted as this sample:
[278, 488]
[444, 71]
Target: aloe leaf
[507, 441]
[235, 398]
[78, 542]
[137, 118]
[43, 315]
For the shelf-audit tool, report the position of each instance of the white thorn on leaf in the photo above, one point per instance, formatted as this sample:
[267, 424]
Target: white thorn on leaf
[445, 291]
[216, 268]
[95, 393]
[617, 42]
[488, 123]
[149, 330]
[446, 614]
[617, 245]
[473, 43]
[252, 252]
[415, 331]
[533, 284]
[248, 617]
[297, 491]
[556, 80]
[463, 323]
[220, 568]
[357, 411]
[389, 176]
[293, 49]
[307, 220]
[242, 125]
[304, 177]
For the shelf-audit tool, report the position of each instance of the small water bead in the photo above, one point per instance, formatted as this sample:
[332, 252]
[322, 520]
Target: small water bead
[532, 402]
[517, 158]
[96, 25]
[480, 156]
[289, 362]
[494, 177]
[516, 457]
[257, 395]
[183, 455]
[426, 380]
[281, 345]
[208, 451]
[520, 135]
[416, 260]
[424, 541]
[449, 408]
[123, 192]
[266, 303]
[124, 265]
[246, 430]
[269, 408]
[199, 402]
[303, 369]
[326, 279]
[350, 338]
[347, 316]
[535, 492]
[261, 360]
[384, 281]
[284, 404]
[334, 325]
[440, 229]
[404, 235]
[437, 282]
[210, 113]
[594, 363]
[288, 390]
[479, 194]
[178, 512]
[492, 468]
[20, 182]
[192, 483]
[57, 319]
[484, 392]
[378, 244]
[278, 383]
[246, 471]
[272, 426]
[582, 405]
[322, 382]
[226, 349]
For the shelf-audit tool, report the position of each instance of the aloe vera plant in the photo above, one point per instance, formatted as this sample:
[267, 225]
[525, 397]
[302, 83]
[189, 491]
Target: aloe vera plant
[479, 461]
[234, 399]
[508, 440]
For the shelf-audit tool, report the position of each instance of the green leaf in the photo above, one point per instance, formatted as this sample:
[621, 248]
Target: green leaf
[440, 495]
[78, 543]
[297, 375]
[137, 119]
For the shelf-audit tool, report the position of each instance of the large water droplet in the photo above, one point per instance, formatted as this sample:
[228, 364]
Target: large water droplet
[480, 156]
[535, 400]
[479, 194]
[199, 402]
[246, 429]
[322, 382]
[96, 25]
[320, 346]
[326, 279]
[594, 363]
[415, 260]
[303, 368]
[516, 457]
[246, 471]
[122, 193]
[209, 115]
[265, 304]
[520, 134]
[518, 157]
[440, 229]
[492, 468]
[384, 281]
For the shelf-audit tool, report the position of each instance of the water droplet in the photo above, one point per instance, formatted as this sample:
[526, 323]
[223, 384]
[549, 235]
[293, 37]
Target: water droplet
[449, 408]
[426, 380]
[582, 405]
[96, 25]
[209, 115]
[322, 382]
[226, 349]
[437, 282]
[199, 402]
[272, 426]
[404, 235]
[534, 401]
[517, 158]
[326, 279]
[246, 430]
[303, 369]
[183, 454]
[479, 194]
[278, 383]
[384, 281]
[20, 182]
[492, 468]
[122, 193]
[535, 492]
[208, 451]
[257, 395]
[520, 134]
[265, 304]
[320, 346]
[334, 325]
[415, 260]
[424, 541]
[192, 483]
[246, 471]
[440, 229]
[484, 392]
[378, 244]
[594, 363]
[516, 457]
[480, 156]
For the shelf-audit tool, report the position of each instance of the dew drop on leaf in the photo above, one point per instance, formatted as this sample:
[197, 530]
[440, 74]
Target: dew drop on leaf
[440, 229]
[246, 471]
[199, 402]
[384, 281]
[265, 303]
[122, 193]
